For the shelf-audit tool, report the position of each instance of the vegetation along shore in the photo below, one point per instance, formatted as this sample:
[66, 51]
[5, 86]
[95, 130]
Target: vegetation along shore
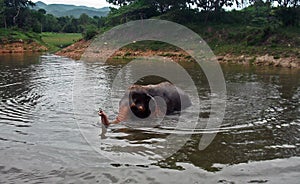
[258, 32]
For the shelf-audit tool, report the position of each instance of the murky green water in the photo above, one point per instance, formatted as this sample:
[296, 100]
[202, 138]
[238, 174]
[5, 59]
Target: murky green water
[49, 127]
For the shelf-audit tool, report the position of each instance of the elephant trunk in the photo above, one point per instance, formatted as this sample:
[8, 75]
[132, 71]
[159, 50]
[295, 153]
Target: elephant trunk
[122, 116]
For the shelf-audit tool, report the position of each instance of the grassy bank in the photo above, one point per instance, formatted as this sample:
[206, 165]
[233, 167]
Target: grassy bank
[11, 40]
[57, 41]
[238, 40]
[250, 40]
[14, 35]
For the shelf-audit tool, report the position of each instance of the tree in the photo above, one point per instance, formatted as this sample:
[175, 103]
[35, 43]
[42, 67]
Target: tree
[139, 9]
[213, 5]
[89, 32]
[42, 11]
[84, 19]
[288, 3]
[2, 11]
[14, 7]
[40, 16]
[120, 2]
[51, 23]
[99, 21]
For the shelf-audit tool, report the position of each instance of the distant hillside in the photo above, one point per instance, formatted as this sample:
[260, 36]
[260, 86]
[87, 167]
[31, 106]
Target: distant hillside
[60, 10]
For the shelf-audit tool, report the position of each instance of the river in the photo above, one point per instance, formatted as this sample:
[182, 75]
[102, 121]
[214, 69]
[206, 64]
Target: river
[50, 131]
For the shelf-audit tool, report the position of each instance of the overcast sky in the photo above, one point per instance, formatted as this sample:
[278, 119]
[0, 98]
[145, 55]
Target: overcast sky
[91, 3]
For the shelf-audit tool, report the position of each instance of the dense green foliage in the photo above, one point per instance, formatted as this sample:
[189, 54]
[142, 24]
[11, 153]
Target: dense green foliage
[9, 35]
[208, 11]
[260, 27]
[18, 14]
[259, 23]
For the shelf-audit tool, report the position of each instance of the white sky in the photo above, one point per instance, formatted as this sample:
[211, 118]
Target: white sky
[91, 3]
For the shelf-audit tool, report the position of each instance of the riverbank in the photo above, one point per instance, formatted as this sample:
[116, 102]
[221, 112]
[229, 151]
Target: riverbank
[21, 46]
[75, 51]
[17, 41]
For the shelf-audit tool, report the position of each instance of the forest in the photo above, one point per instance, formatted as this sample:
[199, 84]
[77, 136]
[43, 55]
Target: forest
[273, 13]
[247, 22]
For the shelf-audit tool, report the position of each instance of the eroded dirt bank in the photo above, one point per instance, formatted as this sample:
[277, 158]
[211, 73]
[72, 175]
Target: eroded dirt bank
[21, 46]
[75, 51]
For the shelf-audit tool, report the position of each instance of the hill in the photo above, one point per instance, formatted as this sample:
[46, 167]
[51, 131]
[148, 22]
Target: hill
[60, 10]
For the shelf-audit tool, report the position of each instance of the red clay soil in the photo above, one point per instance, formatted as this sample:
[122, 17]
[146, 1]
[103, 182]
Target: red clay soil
[77, 49]
[21, 47]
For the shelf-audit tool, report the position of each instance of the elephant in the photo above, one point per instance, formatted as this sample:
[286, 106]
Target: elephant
[144, 101]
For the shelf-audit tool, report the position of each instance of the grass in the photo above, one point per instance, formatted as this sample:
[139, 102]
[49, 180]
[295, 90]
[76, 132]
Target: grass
[222, 39]
[238, 40]
[56, 41]
[12, 35]
[249, 40]
[53, 41]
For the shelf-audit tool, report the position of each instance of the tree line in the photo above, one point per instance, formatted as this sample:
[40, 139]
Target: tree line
[255, 22]
[207, 5]
[18, 14]
[287, 12]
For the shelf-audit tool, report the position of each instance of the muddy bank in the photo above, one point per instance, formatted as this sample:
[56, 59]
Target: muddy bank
[21, 46]
[77, 49]
[264, 60]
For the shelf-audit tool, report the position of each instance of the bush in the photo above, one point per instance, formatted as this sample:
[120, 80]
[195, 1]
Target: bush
[90, 32]
[181, 15]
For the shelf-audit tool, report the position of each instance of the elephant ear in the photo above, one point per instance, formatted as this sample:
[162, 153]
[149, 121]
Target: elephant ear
[158, 106]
